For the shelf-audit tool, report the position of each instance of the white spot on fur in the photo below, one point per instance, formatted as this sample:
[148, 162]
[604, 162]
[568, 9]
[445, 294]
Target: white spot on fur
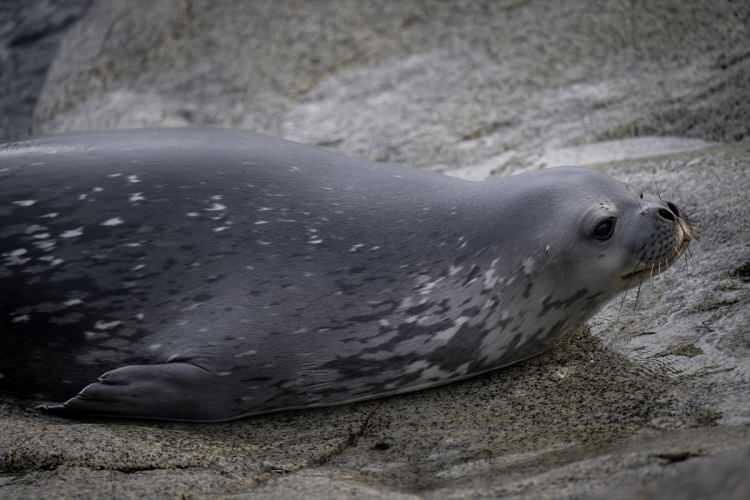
[15, 257]
[35, 228]
[490, 279]
[246, 354]
[72, 233]
[216, 207]
[133, 179]
[72, 302]
[93, 335]
[45, 245]
[136, 197]
[114, 221]
[356, 247]
[416, 366]
[23, 318]
[454, 270]
[434, 372]
[429, 286]
[445, 335]
[107, 325]
[528, 265]
[406, 303]
[50, 215]
[24, 203]
[220, 229]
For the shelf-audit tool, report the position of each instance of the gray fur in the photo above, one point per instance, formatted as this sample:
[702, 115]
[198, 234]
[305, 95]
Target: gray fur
[214, 274]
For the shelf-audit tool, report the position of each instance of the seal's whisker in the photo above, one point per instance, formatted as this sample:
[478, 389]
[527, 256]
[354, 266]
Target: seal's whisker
[638, 294]
[622, 303]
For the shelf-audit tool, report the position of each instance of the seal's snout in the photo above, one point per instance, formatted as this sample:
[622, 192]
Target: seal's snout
[667, 241]
[670, 213]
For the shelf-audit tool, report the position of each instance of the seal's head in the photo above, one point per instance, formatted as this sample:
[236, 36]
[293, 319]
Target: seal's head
[622, 238]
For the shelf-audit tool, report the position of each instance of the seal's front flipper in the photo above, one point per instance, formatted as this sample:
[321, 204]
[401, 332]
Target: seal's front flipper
[170, 391]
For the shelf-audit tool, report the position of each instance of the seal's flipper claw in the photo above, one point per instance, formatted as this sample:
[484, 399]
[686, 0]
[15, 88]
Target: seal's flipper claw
[56, 409]
[169, 391]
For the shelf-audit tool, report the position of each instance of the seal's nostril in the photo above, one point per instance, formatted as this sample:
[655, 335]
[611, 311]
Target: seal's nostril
[666, 214]
[673, 208]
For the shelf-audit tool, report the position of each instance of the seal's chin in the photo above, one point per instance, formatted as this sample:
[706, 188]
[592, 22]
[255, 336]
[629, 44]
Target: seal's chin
[645, 270]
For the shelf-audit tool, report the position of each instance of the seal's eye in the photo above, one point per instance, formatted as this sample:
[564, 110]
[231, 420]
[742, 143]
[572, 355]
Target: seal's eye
[605, 229]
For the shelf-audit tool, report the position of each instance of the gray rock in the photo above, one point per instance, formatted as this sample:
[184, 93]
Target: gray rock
[726, 476]
[30, 32]
[433, 84]
[624, 409]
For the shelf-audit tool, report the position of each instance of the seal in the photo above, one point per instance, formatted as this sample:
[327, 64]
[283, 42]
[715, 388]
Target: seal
[207, 275]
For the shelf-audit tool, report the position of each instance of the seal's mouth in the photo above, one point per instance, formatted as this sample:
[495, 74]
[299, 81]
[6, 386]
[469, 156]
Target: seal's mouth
[684, 235]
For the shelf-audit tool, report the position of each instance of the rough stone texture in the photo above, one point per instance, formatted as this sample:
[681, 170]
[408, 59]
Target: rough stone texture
[430, 83]
[651, 401]
[30, 32]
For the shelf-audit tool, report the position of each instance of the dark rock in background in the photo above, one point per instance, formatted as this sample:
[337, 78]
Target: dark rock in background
[30, 33]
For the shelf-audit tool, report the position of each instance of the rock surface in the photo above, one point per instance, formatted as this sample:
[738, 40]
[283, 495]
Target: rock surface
[30, 33]
[650, 401]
